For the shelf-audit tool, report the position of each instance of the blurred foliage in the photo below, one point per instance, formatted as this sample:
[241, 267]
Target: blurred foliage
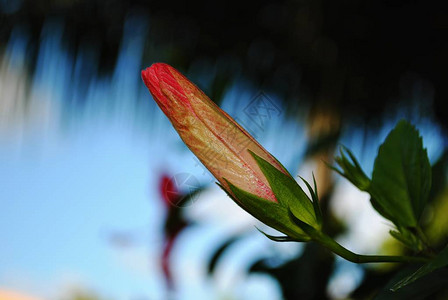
[359, 58]
[432, 286]
[81, 294]
[439, 262]
[305, 277]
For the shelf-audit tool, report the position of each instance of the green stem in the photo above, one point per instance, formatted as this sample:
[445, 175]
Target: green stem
[336, 248]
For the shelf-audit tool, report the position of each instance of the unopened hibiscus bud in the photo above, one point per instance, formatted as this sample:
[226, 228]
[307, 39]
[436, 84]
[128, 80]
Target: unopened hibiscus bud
[231, 154]
[211, 134]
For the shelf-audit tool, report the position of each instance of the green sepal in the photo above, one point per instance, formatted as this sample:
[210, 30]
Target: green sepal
[270, 213]
[351, 169]
[401, 178]
[407, 238]
[279, 238]
[288, 193]
[310, 231]
[315, 198]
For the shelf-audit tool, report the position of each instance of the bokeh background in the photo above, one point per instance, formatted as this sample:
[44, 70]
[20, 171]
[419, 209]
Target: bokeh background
[100, 199]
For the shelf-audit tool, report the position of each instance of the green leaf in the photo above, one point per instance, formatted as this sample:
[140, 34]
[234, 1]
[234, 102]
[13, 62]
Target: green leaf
[288, 192]
[404, 235]
[270, 213]
[401, 178]
[438, 262]
[379, 208]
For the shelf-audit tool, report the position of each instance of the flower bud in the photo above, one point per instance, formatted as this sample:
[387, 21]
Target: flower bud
[219, 142]
[245, 170]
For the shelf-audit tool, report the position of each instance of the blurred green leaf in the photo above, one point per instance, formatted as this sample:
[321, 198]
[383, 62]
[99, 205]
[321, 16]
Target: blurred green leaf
[220, 251]
[427, 287]
[305, 277]
[401, 178]
[440, 261]
[288, 192]
[439, 175]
